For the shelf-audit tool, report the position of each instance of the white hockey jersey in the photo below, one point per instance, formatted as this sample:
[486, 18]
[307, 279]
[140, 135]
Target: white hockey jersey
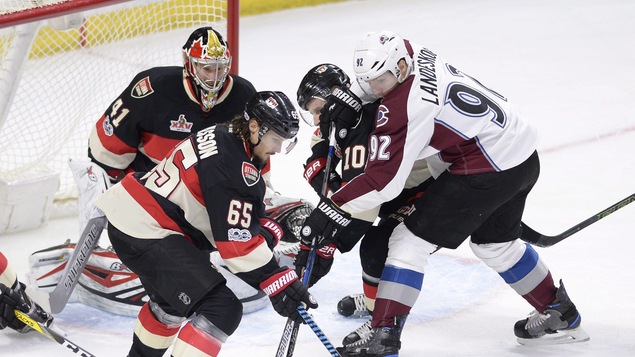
[441, 114]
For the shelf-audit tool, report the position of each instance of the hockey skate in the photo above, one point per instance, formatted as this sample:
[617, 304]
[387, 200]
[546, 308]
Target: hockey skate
[360, 333]
[381, 341]
[558, 324]
[353, 306]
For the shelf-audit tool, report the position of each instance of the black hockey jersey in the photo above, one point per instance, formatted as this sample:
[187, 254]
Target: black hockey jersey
[208, 190]
[155, 112]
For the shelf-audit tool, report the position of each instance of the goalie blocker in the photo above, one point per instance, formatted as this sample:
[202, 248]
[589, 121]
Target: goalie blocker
[107, 284]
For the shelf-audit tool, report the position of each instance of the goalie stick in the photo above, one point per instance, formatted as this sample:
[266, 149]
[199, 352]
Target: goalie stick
[52, 334]
[57, 299]
[531, 236]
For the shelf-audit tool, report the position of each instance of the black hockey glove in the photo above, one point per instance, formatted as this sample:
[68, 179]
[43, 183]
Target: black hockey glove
[324, 223]
[321, 265]
[342, 109]
[17, 299]
[286, 293]
[314, 174]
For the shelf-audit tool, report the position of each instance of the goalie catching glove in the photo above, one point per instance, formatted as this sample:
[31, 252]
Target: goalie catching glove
[286, 292]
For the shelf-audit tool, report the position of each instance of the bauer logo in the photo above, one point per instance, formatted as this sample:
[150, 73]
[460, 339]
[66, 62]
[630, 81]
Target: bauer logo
[250, 173]
[141, 89]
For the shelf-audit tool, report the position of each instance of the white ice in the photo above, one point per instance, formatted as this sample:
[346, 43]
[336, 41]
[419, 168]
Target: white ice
[568, 64]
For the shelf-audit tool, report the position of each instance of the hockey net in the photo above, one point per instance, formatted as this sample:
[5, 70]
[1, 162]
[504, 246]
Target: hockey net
[63, 62]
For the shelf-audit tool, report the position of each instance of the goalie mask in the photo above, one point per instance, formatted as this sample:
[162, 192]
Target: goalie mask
[207, 61]
[376, 62]
[317, 83]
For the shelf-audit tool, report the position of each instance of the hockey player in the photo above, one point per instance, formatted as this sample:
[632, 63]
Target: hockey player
[160, 107]
[484, 154]
[353, 123]
[208, 192]
[14, 297]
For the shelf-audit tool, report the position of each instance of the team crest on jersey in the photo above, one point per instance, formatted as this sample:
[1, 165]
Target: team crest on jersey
[108, 129]
[382, 116]
[251, 175]
[181, 124]
[141, 89]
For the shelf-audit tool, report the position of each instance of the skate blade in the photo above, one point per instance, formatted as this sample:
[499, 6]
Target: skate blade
[562, 337]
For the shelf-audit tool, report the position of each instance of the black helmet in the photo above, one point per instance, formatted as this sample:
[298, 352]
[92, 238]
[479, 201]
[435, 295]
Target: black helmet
[318, 82]
[273, 110]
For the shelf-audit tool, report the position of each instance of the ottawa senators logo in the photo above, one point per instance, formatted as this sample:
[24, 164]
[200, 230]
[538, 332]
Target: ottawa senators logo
[251, 175]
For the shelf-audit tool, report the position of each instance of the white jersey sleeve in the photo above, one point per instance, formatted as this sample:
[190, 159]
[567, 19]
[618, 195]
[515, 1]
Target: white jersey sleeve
[437, 111]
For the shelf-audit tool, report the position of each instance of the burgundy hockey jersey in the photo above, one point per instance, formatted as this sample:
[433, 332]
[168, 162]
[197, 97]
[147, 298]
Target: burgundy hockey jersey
[444, 116]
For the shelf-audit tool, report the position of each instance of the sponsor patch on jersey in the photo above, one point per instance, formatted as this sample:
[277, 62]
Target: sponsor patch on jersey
[238, 235]
[141, 89]
[108, 129]
[382, 116]
[181, 124]
[251, 175]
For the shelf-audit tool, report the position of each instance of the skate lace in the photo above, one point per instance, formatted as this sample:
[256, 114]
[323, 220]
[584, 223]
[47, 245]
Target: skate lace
[364, 329]
[365, 333]
[360, 302]
[536, 321]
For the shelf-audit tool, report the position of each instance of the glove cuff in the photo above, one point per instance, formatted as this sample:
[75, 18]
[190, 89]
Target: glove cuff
[278, 282]
[313, 168]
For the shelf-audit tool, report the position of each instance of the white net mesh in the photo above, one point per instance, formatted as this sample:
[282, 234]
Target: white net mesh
[72, 75]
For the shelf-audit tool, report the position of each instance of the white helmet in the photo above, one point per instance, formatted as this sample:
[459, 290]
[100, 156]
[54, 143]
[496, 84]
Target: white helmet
[378, 53]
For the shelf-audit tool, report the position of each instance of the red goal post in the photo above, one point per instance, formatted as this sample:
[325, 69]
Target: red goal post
[61, 64]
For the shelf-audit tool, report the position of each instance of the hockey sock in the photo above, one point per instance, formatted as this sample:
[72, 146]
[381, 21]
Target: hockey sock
[7, 275]
[199, 338]
[151, 336]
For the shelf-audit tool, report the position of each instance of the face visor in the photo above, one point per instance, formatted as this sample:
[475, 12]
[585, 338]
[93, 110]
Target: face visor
[380, 85]
[210, 76]
[273, 143]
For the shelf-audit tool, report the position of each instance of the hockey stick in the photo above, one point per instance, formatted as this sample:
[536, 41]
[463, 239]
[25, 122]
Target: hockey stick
[531, 236]
[57, 299]
[52, 334]
[291, 328]
[318, 332]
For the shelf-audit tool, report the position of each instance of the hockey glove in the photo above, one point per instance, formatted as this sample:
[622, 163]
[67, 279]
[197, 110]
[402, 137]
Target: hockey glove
[321, 265]
[16, 299]
[324, 223]
[342, 108]
[314, 174]
[271, 231]
[286, 293]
